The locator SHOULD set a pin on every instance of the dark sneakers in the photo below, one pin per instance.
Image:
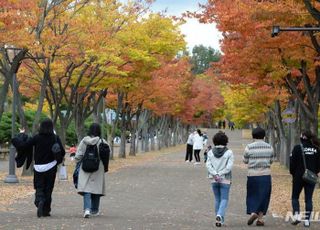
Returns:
(296, 222)
(260, 223)
(40, 209)
(252, 218)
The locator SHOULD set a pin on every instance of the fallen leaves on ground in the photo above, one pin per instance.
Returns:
(12, 192)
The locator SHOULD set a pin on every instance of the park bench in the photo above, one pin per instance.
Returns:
(4, 152)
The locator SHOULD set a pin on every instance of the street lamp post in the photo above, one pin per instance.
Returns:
(277, 29)
(11, 53)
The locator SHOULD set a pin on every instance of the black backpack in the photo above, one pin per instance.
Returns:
(90, 160)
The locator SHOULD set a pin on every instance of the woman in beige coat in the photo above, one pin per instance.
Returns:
(91, 185)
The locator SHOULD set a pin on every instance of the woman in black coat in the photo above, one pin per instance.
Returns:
(45, 163)
(309, 147)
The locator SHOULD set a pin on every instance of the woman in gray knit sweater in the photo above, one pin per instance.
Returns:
(258, 156)
(219, 165)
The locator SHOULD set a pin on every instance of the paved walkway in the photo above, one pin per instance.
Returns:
(164, 194)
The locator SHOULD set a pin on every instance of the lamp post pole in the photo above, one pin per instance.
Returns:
(277, 29)
(12, 53)
(12, 178)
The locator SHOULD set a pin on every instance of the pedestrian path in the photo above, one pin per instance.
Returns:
(166, 193)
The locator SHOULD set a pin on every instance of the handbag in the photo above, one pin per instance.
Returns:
(56, 150)
(63, 175)
(308, 176)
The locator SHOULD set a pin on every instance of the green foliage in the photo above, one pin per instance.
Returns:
(30, 114)
(202, 57)
(5, 128)
(71, 136)
(5, 124)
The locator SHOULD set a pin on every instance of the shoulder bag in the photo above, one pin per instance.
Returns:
(308, 176)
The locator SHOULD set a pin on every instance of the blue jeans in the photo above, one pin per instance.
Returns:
(91, 202)
(221, 195)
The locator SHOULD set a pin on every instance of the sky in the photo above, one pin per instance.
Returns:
(195, 32)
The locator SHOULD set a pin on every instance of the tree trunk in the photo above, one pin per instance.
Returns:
(284, 151)
(3, 96)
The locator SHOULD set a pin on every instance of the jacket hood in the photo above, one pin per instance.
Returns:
(91, 140)
(218, 151)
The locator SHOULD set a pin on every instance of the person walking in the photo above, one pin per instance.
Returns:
(197, 145)
(304, 156)
(189, 148)
(45, 163)
(91, 185)
(219, 165)
(259, 157)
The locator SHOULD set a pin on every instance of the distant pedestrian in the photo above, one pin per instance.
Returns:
(91, 185)
(205, 138)
(189, 148)
(309, 150)
(231, 125)
(206, 151)
(259, 157)
(72, 151)
(219, 164)
(45, 163)
(224, 124)
(197, 145)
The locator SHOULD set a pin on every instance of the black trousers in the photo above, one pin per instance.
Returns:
(297, 185)
(197, 154)
(189, 152)
(43, 183)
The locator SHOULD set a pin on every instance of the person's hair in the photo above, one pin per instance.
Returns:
(94, 130)
(46, 127)
(220, 138)
(258, 133)
(308, 135)
(199, 132)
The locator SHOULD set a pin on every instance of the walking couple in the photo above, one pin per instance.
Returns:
(258, 155)
(91, 185)
(195, 143)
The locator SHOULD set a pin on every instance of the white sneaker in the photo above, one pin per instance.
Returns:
(187, 161)
(306, 223)
(197, 163)
(86, 213)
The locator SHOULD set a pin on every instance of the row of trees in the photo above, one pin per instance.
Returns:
(263, 75)
(80, 56)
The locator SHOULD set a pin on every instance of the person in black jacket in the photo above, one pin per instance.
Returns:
(45, 163)
(310, 148)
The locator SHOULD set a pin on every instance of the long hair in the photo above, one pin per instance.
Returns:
(199, 132)
(309, 136)
(46, 127)
(94, 130)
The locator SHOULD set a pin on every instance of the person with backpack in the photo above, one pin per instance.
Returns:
(304, 156)
(93, 154)
(45, 162)
(219, 165)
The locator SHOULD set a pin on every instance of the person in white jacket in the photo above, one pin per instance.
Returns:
(219, 165)
(197, 145)
(189, 148)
